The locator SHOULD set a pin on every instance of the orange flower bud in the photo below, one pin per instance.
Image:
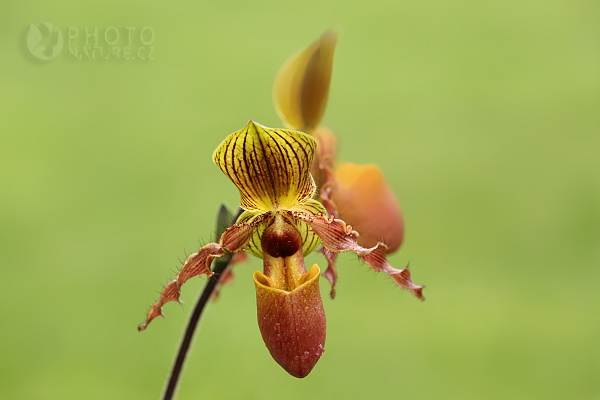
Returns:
(365, 200)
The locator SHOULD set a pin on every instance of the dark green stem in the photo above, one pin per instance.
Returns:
(219, 266)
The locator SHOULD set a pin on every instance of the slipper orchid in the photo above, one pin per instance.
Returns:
(357, 193)
(282, 222)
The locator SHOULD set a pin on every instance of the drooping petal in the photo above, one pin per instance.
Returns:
(365, 200)
(195, 265)
(292, 324)
(227, 275)
(377, 260)
(233, 239)
(301, 87)
(270, 167)
(331, 272)
(337, 237)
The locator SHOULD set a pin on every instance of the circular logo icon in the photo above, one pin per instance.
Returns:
(44, 41)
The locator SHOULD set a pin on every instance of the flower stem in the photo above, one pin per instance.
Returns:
(187, 337)
(224, 220)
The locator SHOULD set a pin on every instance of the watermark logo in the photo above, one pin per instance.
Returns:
(126, 43)
(44, 41)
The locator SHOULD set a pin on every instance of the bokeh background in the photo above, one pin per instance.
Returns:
(484, 116)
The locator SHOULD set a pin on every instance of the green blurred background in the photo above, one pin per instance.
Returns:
(484, 116)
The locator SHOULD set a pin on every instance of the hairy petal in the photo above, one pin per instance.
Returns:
(301, 87)
(195, 265)
(337, 236)
(233, 239)
(236, 237)
(270, 167)
(378, 261)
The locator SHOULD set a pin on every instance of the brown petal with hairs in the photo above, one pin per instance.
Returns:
(337, 237)
(233, 239)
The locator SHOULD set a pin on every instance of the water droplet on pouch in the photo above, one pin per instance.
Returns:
(305, 309)
(305, 355)
(320, 350)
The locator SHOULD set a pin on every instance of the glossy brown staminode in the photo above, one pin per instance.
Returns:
(282, 240)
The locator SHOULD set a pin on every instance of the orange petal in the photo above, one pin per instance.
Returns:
(301, 87)
(292, 324)
(365, 200)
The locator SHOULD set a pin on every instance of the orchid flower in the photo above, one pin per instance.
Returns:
(282, 222)
(357, 193)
